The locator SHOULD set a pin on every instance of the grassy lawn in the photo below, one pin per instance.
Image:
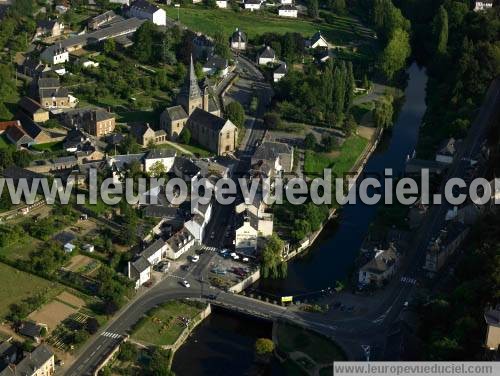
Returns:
(16, 286)
(339, 30)
(50, 146)
(361, 109)
(349, 152)
(162, 326)
(320, 349)
(21, 250)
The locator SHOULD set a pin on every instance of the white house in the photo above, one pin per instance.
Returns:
(239, 40)
(447, 151)
(252, 5)
(165, 157)
(287, 11)
(317, 41)
(221, 4)
(481, 5)
(144, 10)
(266, 56)
(380, 268)
(286, 2)
(280, 72)
(139, 271)
(90, 64)
(155, 252)
(246, 235)
(216, 65)
(55, 54)
(180, 243)
(197, 224)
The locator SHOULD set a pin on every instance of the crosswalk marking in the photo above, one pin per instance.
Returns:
(408, 280)
(111, 335)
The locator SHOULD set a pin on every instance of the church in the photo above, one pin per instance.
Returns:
(199, 112)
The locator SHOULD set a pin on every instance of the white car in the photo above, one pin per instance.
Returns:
(185, 284)
(236, 257)
(195, 258)
(244, 259)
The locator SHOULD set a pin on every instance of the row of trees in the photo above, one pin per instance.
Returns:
(321, 96)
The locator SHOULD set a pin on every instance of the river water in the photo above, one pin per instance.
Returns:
(223, 344)
(331, 257)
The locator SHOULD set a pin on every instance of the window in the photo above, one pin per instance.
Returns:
(228, 135)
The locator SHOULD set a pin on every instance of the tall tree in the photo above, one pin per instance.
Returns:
(349, 87)
(313, 8)
(440, 30)
(235, 112)
(339, 80)
(395, 54)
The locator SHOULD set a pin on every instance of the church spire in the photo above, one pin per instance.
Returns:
(194, 88)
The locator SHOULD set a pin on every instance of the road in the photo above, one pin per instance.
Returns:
(371, 329)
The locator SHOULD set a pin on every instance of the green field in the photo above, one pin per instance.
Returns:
(16, 286)
(207, 21)
(162, 325)
(320, 349)
(349, 152)
(20, 250)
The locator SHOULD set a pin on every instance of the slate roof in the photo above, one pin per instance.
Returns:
(46, 24)
(104, 17)
(267, 53)
(271, 150)
(30, 106)
(288, 7)
(16, 173)
(253, 2)
(114, 139)
(29, 126)
(207, 119)
(492, 316)
(17, 136)
(30, 329)
(48, 83)
(101, 115)
(216, 62)
(141, 264)
(176, 113)
(179, 239)
(186, 167)
(139, 129)
(153, 248)
(239, 36)
(160, 153)
(382, 262)
(59, 92)
(281, 69)
(33, 361)
(144, 6)
(160, 211)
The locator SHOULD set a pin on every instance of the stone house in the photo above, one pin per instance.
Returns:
(33, 109)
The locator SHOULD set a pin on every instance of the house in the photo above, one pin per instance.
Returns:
(267, 56)
(35, 131)
(55, 54)
(40, 362)
(17, 136)
(145, 135)
(164, 156)
(179, 243)
(33, 67)
(155, 252)
(286, 2)
(492, 318)
(203, 46)
(69, 248)
(280, 72)
(51, 94)
(95, 121)
(33, 109)
(278, 155)
(216, 65)
(5, 125)
(31, 330)
(246, 235)
(139, 271)
(88, 248)
(144, 10)
(9, 354)
(481, 5)
(446, 243)
(238, 40)
(95, 23)
(447, 151)
(199, 111)
(287, 11)
(256, 211)
(186, 169)
(317, 41)
(252, 5)
(379, 269)
(221, 4)
(51, 28)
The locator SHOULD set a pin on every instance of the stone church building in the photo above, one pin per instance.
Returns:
(198, 110)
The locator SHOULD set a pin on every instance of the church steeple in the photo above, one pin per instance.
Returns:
(190, 96)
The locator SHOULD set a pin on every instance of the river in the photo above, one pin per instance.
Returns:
(225, 341)
(331, 258)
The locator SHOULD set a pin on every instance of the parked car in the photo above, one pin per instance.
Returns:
(195, 258)
(185, 284)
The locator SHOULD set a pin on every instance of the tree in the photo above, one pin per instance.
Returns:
(159, 363)
(185, 136)
(128, 352)
(310, 141)
(264, 347)
(272, 120)
(312, 8)
(339, 89)
(383, 112)
(338, 6)
(329, 142)
(157, 169)
(350, 85)
(143, 42)
(109, 46)
(440, 30)
(221, 45)
(236, 113)
(272, 264)
(395, 54)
